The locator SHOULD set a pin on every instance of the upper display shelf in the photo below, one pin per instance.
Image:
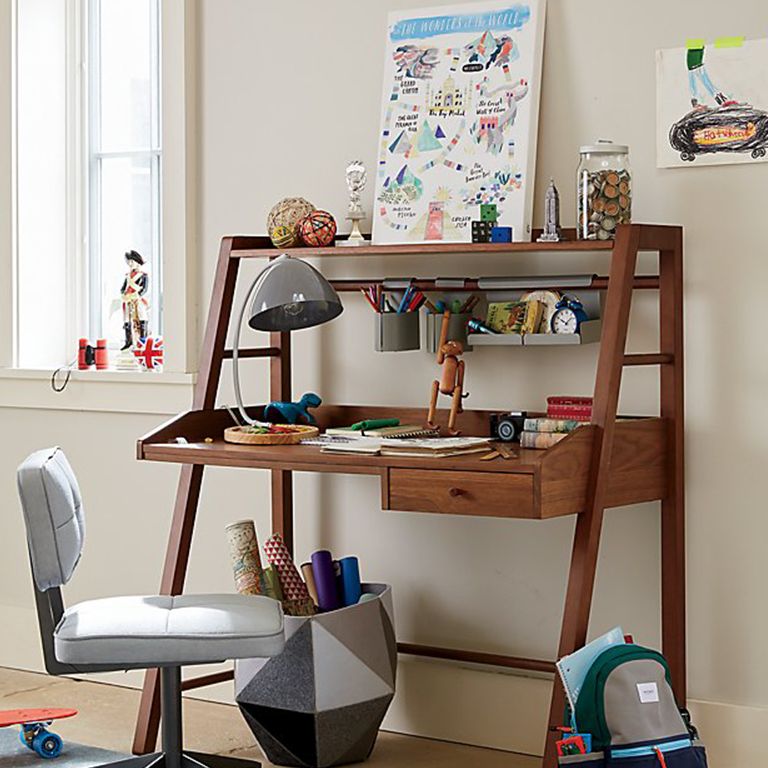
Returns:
(651, 237)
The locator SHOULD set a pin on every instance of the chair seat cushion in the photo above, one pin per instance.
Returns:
(187, 629)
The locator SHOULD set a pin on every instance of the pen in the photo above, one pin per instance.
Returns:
(469, 304)
(404, 301)
(369, 299)
(416, 301)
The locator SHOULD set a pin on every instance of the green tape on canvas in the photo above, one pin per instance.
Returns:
(729, 42)
(694, 43)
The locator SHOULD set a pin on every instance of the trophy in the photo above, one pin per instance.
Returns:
(356, 179)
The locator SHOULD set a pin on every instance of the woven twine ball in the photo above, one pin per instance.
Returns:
(288, 213)
(284, 237)
(317, 229)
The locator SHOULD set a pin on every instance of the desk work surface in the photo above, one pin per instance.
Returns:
(532, 484)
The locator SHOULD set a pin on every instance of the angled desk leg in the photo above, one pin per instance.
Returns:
(190, 481)
(174, 572)
(586, 542)
(673, 507)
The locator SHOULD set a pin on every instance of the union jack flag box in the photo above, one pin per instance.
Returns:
(149, 353)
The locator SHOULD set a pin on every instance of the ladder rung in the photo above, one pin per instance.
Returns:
(649, 359)
(257, 352)
(200, 682)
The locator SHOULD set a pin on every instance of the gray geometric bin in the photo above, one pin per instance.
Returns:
(321, 701)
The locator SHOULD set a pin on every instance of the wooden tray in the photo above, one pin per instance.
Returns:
(297, 434)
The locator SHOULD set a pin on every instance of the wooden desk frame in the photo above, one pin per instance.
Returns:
(601, 439)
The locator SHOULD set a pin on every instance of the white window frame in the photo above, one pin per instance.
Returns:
(154, 155)
(178, 206)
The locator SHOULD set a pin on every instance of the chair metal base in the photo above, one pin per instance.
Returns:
(184, 760)
(173, 756)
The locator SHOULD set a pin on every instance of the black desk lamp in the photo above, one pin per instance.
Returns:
(288, 295)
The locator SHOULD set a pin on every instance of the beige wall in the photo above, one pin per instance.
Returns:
(288, 93)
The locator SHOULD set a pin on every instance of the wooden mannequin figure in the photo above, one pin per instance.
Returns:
(451, 379)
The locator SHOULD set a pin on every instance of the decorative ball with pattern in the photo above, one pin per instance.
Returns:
(317, 229)
(288, 213)
(284, 237)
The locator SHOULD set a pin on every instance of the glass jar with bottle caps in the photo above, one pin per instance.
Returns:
(604, 191)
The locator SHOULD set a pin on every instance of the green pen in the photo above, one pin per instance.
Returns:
(375, 424)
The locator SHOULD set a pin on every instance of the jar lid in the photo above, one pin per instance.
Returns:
(605, 147)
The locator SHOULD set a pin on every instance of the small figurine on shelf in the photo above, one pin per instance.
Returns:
(293, 413)
(452, 377)
(551, 233)
(356, 180)
(135, 303)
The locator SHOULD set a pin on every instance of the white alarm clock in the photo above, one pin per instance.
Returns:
(568, 316)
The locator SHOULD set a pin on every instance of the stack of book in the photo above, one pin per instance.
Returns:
(564, 414)
(569, 407)
(546, 432)
(428, 447)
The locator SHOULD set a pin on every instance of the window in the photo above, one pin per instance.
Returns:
(88, 170)
(124, 154)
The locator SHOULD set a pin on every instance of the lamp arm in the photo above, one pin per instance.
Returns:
(236, 359)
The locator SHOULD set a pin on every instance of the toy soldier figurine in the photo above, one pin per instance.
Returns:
(135, 304)
(551, 233)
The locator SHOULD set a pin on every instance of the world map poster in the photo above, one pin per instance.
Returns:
(459, 121)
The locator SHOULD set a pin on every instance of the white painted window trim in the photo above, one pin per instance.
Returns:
(179, 200)
(7, 151)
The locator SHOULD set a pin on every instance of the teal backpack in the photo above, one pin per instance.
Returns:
(627, 704)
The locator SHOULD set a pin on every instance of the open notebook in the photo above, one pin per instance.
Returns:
(437, 447)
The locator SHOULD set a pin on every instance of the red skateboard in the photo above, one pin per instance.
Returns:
(34, 728)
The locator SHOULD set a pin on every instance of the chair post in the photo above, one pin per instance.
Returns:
(50, 609)
(170, 697)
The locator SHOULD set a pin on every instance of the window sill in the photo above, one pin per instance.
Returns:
(110, 391)
(110, 376)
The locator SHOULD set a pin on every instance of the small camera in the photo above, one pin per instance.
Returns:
(508, 426)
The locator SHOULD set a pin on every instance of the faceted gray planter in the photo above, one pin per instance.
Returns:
(321, 701)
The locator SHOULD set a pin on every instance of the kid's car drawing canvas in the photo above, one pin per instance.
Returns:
(712, 102)
(459, 120)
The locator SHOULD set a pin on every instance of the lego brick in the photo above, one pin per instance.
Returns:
(488, 212)
(481, 231)
(501, 235)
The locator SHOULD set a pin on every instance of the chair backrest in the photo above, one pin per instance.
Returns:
(53, 514)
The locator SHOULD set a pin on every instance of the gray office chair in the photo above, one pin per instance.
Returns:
(122, 633)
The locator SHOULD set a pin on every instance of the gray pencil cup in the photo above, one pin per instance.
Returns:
(397, 332)
(457, 330)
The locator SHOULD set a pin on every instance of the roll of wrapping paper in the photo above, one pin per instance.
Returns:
(296, 599)
(349, 578)
(244, 556)
(325, 581)
(309, 578)
(270, 584)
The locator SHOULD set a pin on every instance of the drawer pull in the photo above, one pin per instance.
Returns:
(456, 492)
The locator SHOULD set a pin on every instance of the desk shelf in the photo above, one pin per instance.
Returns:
(536, 484)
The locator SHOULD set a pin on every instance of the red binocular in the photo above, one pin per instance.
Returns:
(88, 355)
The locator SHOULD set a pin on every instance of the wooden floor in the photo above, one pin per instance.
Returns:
(107, 715)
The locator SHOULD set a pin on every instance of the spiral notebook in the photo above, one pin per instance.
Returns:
(573, 668)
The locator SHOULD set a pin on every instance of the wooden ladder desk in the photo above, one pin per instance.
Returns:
(607, 464)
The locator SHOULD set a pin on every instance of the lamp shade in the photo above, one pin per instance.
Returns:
(291, 294)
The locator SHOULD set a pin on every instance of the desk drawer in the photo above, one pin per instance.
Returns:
(494, 494)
